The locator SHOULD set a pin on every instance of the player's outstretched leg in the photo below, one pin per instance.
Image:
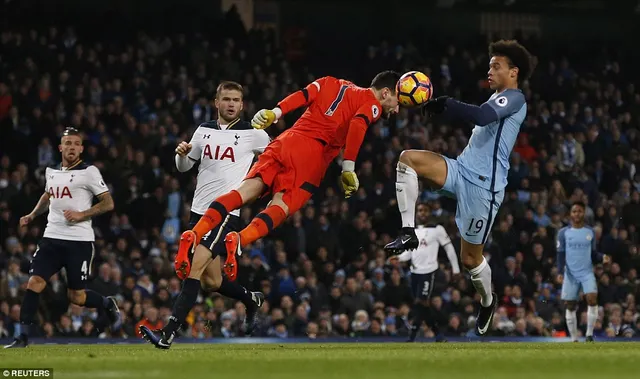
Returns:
(260, 226)
(248, 191)
(414, 164)
(407, 191)
(213, 281)
(28, 311)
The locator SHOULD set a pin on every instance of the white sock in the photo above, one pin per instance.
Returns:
(407, 193)
(481, 279)
(592, 316)
(572, 324)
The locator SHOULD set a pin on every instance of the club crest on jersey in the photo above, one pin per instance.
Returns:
(219, 155)
(237, 138)
(72, 176)
(589, 237)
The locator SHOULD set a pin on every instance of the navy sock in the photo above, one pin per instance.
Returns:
(183, 304)
(28, 311)
(95, 300)
(235, 291)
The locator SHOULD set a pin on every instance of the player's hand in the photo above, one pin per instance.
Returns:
(25, 220)
(435, 106)
(73, 216)
(606, 259)
(263, 119)
(392, 260)
(183, 149)
(349, 183)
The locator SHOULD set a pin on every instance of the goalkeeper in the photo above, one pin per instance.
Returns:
(293, 165)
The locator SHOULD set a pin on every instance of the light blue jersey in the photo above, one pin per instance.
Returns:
(485, 160)
(576, 249)
(477, 178)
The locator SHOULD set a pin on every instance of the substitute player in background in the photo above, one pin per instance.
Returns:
(225, 149)
(576, 247)
(293, 165)
(68, 237)
(477, 178)
(424, 264)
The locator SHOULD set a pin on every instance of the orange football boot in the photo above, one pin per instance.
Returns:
(182, 265)
(232, 243)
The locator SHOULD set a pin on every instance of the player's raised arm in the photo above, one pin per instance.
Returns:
(187, 154)
(304, 97)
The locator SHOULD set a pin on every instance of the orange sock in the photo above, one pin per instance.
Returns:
(262, 224)
(217, 211)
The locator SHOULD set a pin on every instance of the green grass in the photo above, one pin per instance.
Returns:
(304, 361)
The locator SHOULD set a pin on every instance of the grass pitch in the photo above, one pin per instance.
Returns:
(324, 361)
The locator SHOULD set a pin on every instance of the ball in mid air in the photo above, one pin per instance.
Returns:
(414, 88)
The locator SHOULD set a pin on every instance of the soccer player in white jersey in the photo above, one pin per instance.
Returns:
(424, 265)
(68, 237)
(225, 149)
(478, 176)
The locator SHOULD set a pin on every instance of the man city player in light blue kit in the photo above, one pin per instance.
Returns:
(576, 247)
(477, 178)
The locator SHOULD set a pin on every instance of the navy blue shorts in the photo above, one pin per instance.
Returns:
(422, 285)
(76, 257)
(214, 240)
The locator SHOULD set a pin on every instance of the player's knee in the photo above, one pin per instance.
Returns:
(279, 201)
(571, 305)
(592, 299)
(210, 284)
(76, 296)
(470, 261)
(406, 157)
(36, 284)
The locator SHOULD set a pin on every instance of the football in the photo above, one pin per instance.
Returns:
(414, 88)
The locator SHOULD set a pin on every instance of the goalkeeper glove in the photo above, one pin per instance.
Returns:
(349, 180)
(435, 106)
(265, 117)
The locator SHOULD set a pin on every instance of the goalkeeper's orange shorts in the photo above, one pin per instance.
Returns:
(294, 164)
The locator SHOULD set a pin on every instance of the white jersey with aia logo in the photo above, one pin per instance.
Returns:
(225, 159)
(424, 259)
(71, 189)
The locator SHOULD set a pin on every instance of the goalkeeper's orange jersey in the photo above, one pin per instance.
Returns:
(338, 113)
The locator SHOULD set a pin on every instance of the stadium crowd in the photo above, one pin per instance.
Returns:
(324, 272)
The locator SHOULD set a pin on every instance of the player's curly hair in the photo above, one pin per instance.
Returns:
(517, 54)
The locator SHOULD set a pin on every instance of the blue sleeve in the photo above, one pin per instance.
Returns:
(595, 256)
(479, 115)
(560, 248)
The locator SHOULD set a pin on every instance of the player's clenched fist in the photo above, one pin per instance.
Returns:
(25, 220)
(183, 149)
(265, 117)
(349, 180)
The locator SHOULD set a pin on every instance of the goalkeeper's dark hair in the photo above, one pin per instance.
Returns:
(386, 79)
(517, 55)
(229, 85)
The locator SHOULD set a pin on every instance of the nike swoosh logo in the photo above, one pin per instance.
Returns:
(162, 344)
(486, 327)
(405, 241)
